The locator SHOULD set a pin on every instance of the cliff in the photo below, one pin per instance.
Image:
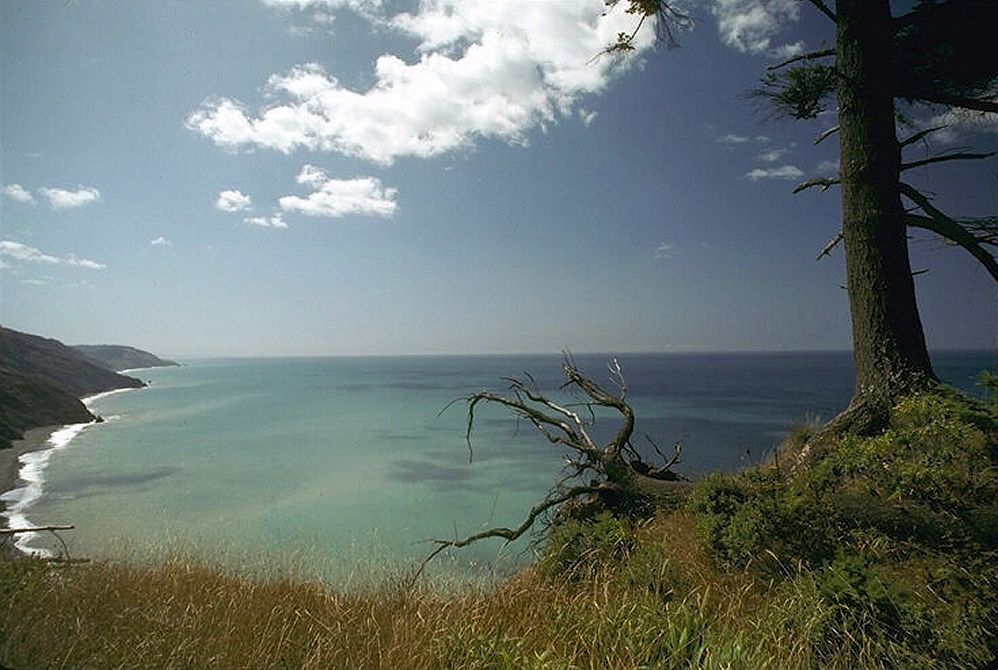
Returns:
(41, 381)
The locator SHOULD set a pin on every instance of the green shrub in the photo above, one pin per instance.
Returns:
(755, 517)
(580, 548)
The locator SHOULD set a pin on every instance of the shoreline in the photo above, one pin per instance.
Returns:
(35, 439)
(38, 439)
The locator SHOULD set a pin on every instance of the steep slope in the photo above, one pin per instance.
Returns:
(119, 357)
(50, 360)
(29, 403)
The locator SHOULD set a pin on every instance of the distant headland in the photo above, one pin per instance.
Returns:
(43, 380)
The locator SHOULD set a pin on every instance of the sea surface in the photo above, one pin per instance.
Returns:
(339, 466)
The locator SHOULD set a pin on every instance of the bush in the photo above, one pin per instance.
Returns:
(580, 548)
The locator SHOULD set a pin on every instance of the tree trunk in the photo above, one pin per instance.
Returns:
(888, 343)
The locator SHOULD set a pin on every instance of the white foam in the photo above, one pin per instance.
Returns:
(33, 463)
(31, 474)
(97, 396)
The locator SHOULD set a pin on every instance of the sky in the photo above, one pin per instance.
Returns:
(312, 177)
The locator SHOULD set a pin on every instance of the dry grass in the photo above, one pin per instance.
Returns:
(184, 615)
(667, 604)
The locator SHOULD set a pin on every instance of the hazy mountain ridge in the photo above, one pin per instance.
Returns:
(42, 381)
(119, 357)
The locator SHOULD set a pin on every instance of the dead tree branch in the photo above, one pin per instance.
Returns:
(616, 469)
(824, 183)
(825, 53)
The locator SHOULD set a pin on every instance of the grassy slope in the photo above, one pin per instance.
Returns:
(880, 554)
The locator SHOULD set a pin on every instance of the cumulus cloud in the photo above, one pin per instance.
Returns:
(22, 252)
(60, 198)
(751, 25)
(17, 193)
(335, 198)
(160, 242)
(783, 172)
(233, 201)
(733, 139)
(275, 221)
(483, 70)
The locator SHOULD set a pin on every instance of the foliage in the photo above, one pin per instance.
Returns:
(798, 92)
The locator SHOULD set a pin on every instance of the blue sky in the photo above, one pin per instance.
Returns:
(301, 177)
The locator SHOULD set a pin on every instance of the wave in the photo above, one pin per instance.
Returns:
(32, 474)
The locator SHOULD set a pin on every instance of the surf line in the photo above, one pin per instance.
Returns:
(31, 478)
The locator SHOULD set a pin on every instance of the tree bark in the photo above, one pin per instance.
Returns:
(888, 343)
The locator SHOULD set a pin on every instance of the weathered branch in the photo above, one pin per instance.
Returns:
(7, 533)
(827, 249)
(825, 134)
(813, 55)
(823, 8)
(823, 182)
(615, 466)
(508, 534)
(919, 135)
(959, 156)
(947, 228)
(38, 529)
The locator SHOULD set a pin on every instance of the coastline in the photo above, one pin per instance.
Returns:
(34, 439)
(38, 439)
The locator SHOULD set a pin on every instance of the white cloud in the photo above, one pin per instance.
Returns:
(22, 252)
(788, 50)
(826, 168)
(783, 172)
(311, 175)
(960, 123)
(355, 5)
(275, 221)
(233, 201)
(772, 155)
(665, 250)
(751, 25)
(18, 193)
(484, 70)
(733, 139)
(334, 198)
(42, 281)
(160, 242)
(60, 198)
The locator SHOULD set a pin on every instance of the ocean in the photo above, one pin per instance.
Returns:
(340, 466)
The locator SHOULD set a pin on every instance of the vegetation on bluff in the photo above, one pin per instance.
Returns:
(877, 553)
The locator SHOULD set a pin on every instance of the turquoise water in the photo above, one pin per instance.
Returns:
(336, 463)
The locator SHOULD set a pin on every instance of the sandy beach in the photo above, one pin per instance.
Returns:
(33, 440)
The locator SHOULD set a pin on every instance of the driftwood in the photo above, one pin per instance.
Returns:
(613, 475)
(7, 533)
